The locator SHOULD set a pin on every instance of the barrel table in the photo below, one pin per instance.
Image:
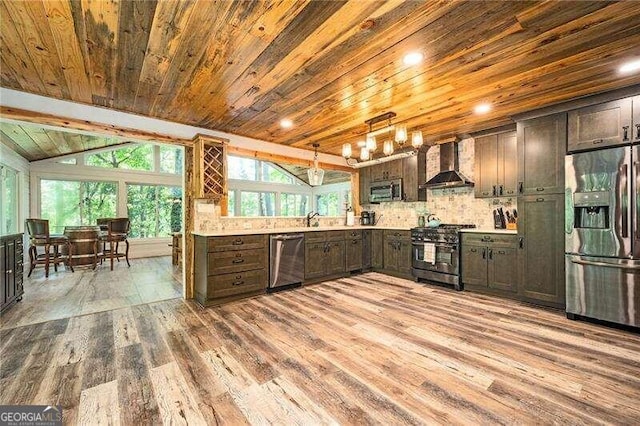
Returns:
(85, 245)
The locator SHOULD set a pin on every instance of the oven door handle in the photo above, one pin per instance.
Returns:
(452, 247)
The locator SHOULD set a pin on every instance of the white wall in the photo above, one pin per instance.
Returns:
(19, 163)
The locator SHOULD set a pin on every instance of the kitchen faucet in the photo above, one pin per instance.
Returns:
(310, 216)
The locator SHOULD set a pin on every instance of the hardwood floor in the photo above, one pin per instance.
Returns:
(363, 350)
(65, 294)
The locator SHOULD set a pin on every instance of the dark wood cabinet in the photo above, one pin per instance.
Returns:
(230, 267)
(490, 262)
(366, 249)
(11, 270)
(496, 160)
(354, 252)
(324, 254)
(601, 125)
(541, 249)
(412, 170)
(397, 252)
(364, 176)
(377, 249)
(541, 150)
(414, 174)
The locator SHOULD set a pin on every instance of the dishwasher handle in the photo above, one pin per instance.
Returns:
(287, 237)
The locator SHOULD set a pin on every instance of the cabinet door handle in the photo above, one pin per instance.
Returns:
(500, 190)
(521, 187)
(540, 189)
(238, 242)
(597, 141)
(354, 242)
(237, 261)
(539, 200)
(625, 133)
(473, 250)
(490, 254)
(9, 271)
(637, 131)
(521, 242)
(493, 191)
(501, 252)
(237, 283)
(484, 253)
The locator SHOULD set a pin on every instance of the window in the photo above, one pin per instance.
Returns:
(273, 174)
(70, 160)
(294, 204)
(231, 203)
(154, 210)
(333, 203)
(9, 197)
(171, 159)
(71, 203)
(242, 168)
(135, 157)
(257, 203)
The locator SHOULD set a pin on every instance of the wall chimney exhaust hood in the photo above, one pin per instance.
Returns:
(449, 175)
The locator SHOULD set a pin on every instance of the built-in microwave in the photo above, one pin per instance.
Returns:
(389, 190)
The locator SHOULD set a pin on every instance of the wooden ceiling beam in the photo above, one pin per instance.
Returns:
(89, 126)
(283, 159)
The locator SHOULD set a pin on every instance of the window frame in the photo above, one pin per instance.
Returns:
(17, 202)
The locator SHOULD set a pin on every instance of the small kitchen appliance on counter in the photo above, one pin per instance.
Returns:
(368, 218)
(435, 253)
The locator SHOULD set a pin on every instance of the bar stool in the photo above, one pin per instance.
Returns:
(39, 237)
(117, 232)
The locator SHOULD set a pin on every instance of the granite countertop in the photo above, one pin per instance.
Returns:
(490, 231)
(291, 230)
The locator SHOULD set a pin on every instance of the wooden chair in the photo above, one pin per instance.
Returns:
(39, 236)
(117, 232)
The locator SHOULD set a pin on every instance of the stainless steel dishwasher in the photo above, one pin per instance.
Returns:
(286, 254)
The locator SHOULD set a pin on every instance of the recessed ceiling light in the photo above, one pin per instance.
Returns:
(482, 108)
(412, 58)
(630, 67)
(285, 123)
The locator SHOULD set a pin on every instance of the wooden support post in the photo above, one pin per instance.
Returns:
(189, 222)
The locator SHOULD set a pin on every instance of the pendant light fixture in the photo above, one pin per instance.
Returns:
(370, 145)
(316, 174)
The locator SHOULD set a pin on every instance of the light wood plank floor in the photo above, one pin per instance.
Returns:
(363, 350)
(65, 294)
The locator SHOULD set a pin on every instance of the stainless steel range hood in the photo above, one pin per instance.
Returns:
(449, 175)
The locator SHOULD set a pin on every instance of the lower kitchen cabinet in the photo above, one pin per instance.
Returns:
(377, 249)
(489, 262)
(397, 252)
(11, 270)
(541, 249)
(324, 254)
(230, 267)
(354, 253)
(366, 249)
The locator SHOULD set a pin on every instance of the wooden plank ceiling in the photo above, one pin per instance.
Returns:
(241, 66)
(37, 143)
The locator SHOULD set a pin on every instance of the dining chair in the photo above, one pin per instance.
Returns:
(117, 232)
(39, 236)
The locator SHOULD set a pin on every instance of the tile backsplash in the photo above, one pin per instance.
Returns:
(457, 205)
(208, 219)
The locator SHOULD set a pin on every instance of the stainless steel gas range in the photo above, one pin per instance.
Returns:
(436, 254)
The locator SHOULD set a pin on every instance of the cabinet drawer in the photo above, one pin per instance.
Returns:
(353, 235)
(236, 261)
(237, 283)
(335, 235)
(315, 236)
(397, 234)
(237, 242)
(490, 239)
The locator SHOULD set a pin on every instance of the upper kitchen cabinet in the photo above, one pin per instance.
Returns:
(541, 149)
(601, 125)
(414, 173)
(209, 168)
(495, 165)
(412, 170)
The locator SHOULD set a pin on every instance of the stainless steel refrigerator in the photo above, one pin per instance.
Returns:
(602, 230)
